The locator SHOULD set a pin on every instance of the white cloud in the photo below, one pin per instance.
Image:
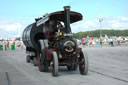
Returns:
(83, 26)
(90, 23)
(118, 23)
(123, 18)
(10, 27)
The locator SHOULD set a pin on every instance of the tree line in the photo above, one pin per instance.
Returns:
(96, 33)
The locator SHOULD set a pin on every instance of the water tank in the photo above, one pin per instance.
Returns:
(31, 35)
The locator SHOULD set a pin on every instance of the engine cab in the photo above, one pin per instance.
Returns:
(56, 28)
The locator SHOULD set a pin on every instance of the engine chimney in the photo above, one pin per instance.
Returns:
(67, 19)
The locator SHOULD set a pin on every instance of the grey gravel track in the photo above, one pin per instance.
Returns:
(107, 66)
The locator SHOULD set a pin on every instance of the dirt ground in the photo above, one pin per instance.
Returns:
(107, 66)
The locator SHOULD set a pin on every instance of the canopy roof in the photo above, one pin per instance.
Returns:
(59, 15)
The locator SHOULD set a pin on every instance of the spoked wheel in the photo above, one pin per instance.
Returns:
(73, 67)
(40, 63)
(35, 61)
(28, 59)
(83, 66)
(54, 64)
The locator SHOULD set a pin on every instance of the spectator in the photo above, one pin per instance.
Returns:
(118, 42)
(111, 43)
(83, 42)
(8, 44)
(86, 42)
(101, 42)
(93, 43)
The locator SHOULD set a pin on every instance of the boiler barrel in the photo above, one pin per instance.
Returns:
(31, 35)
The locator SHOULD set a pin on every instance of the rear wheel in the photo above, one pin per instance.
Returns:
(54, 64)
(28, 59)
(42, 62)
(83, 66)
(35, 61)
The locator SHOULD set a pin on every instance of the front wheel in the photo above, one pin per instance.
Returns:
(54, 64)
(83, 66)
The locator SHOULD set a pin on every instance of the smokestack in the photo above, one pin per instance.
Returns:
(67, 18)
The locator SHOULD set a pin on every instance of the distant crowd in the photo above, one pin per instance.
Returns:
(92, 42)
(10, 44)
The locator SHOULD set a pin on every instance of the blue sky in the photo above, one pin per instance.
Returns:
(15, 15)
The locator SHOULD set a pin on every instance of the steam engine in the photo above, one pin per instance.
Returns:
(49, 42)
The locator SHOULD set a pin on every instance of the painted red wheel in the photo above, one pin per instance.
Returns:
(40, 63)
(43, 64)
